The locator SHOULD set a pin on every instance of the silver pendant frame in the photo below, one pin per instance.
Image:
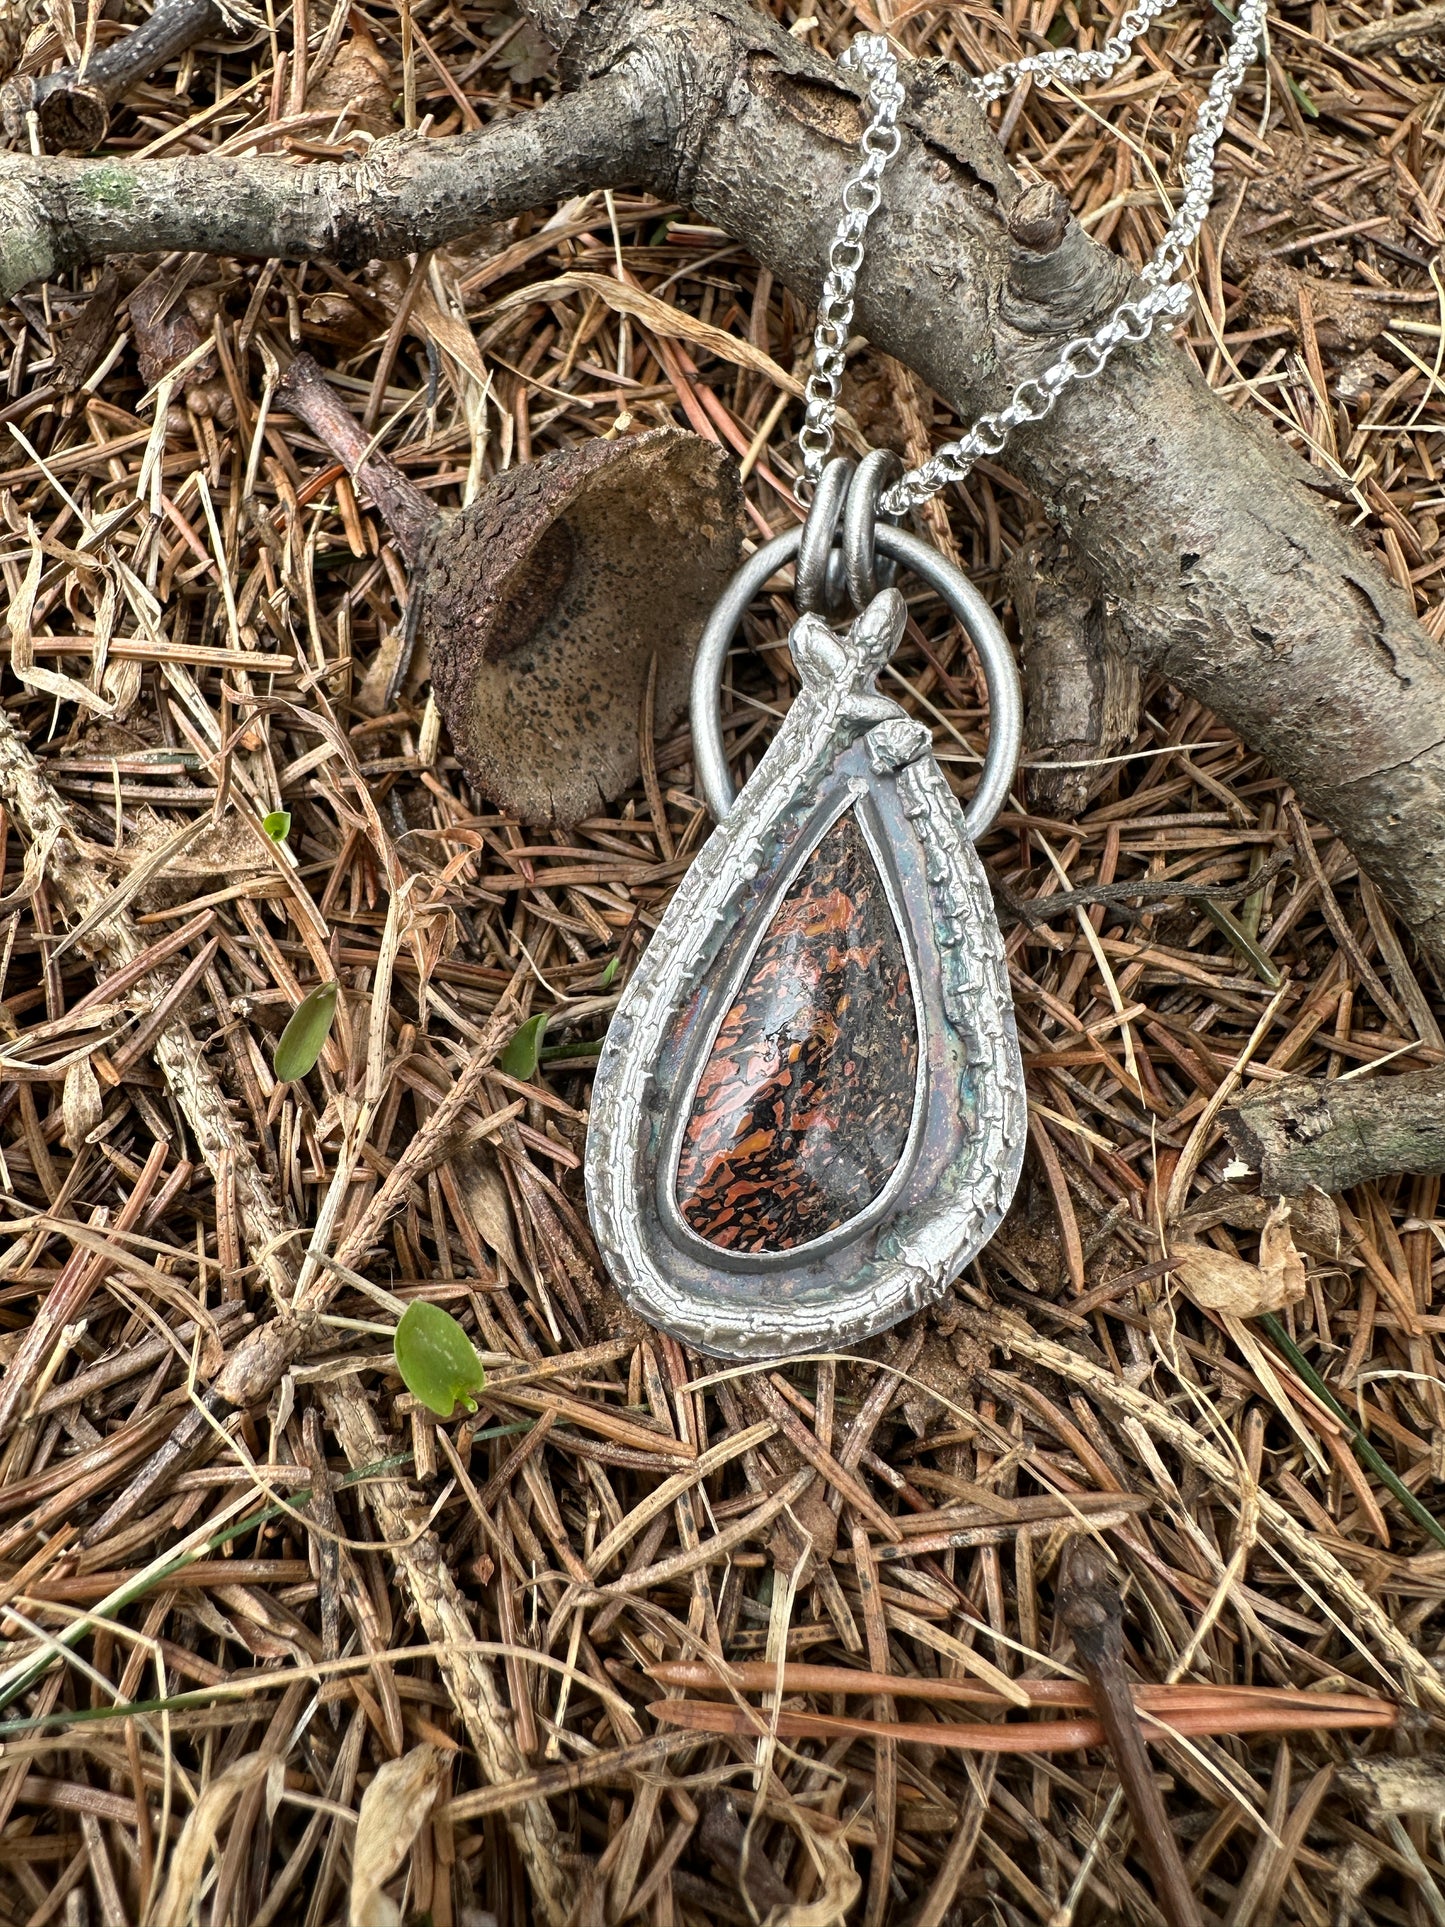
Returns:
(841, 746)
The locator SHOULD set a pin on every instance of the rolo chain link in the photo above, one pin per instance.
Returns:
(1081, 359)
(861, 195)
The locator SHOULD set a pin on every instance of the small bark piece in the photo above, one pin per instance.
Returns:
(543, 604)
(1081, 691)
(1304, 1134)
(81, 349)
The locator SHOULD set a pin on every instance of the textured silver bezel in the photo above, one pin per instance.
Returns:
(840, 744)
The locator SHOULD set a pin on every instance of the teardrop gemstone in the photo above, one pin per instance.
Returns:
(803, 1108)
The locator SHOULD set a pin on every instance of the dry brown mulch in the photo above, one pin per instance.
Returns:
(210, 1656)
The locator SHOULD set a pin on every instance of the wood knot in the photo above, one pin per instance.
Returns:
(1038, 218)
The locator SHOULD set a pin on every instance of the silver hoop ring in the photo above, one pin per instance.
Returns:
(1005, 698)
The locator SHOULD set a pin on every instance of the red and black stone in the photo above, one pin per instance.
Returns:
(803, 1109)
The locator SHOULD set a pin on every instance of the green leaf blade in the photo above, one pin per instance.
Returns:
(523, 1053)
(437, 1361)
(277, 825)
(305, 1035)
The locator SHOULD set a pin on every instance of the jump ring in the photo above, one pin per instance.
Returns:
(816, 537)
(714, 779)
(860, 526)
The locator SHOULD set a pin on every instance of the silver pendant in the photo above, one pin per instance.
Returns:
(809, 1108)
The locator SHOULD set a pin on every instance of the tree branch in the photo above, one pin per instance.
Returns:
(73, 107)
(406, 194)
(1307, 1134)
(1223, 569)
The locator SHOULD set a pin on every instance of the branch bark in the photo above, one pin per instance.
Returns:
(407, 193)
(1223, 569)
(1304, 1135)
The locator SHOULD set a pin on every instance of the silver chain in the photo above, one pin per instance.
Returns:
(1086, 356)
(861, 194)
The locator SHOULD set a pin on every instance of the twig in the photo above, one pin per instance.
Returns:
(1420, 23)
(1093, 1612)
(1144, 891)
(409, 515)
(73, 103)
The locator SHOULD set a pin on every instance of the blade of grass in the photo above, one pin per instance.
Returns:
(1364, 1450)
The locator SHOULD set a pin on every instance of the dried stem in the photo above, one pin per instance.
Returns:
(408, 514)
(1092, 1611)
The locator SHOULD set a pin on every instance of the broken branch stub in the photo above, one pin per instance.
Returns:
(544, 602)
(72, 106)
(1309, 1134)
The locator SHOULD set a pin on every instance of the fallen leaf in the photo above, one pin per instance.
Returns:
(358, 84)
(165, 332)
(198, 1837)
(394, 1809)
(519, 1058)
(1314, 1222)
(484, 1192)
(1224, 1282)
(305, 1035)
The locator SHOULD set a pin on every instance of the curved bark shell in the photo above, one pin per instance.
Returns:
(545, 601)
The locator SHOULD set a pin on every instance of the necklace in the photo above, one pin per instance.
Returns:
(809, 1110)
